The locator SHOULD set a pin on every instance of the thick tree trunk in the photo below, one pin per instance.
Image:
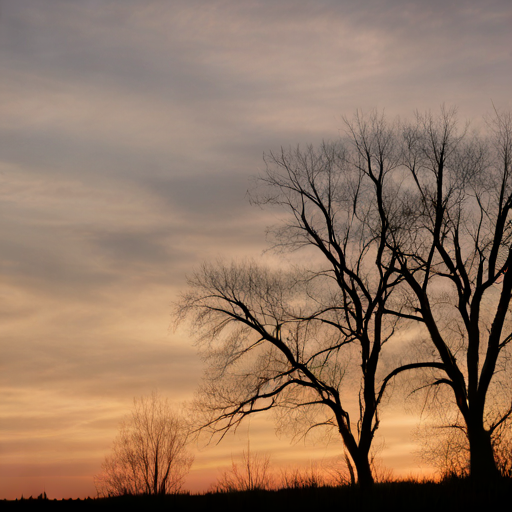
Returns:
(359, 456)
(364, 472)
(482, 464)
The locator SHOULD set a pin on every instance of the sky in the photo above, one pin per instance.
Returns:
(129, 133)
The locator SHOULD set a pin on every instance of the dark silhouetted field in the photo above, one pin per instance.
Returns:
(405, 495)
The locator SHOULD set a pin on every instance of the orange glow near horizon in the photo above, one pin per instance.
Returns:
(71, 478)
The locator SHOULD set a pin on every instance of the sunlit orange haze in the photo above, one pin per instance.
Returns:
(129, 132)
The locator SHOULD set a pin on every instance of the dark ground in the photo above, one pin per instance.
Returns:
(450, 495)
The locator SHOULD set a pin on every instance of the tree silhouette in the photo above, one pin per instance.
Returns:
(407, 227)
(149, 455)
(453, 250)
(302, 327)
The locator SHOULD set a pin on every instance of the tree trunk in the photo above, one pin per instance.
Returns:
(359, 456)
(364, 472)
(482, 464)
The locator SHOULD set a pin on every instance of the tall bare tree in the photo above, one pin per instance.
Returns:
(304, 345)
(410, 225)
(455, 240)
(149, 455)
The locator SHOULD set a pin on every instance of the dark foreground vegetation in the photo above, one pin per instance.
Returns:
(450, 494)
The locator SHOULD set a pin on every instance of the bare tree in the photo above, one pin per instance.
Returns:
(411, 228)
(252, 474)
(303, 327)
(149, 455)
(453, 249)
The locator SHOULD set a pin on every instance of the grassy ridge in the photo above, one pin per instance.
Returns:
(406, 495)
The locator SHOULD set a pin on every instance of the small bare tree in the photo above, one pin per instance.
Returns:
(252, 474)
(149, 455)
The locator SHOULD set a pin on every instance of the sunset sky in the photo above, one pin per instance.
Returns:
(129, 131)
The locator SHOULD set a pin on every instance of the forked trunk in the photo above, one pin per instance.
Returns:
(360, 459)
